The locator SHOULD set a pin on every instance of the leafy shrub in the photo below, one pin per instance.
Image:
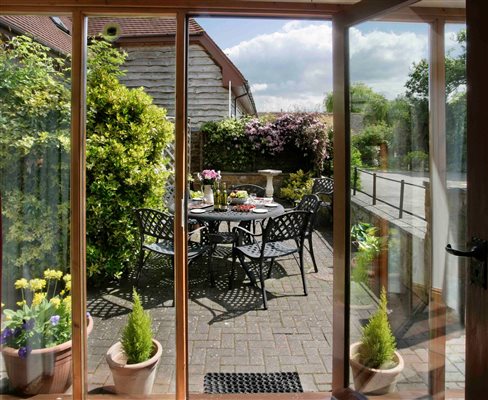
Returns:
(297, 185)
(126, 135)
(368, 141)
(416, 161)
(137, 335)
(363, 236)
(378, 344)
(34, 158)
(244, 144)
(227, 146)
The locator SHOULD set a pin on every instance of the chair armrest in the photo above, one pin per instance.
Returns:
(202, 230)
(244, 236)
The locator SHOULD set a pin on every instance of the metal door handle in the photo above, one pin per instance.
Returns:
(476, 251)
(478, 268)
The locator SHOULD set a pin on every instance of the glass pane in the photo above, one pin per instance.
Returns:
(255, 103)
(35, 185)
(455, 286)
(130, 200)
(390, 206)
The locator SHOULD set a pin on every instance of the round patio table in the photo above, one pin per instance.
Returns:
(214, 218)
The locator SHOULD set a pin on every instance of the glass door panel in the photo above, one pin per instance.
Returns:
(35, 118)
(130, 202)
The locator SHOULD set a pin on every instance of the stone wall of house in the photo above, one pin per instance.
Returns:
(153, 67)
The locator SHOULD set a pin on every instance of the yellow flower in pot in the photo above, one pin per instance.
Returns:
(134, 360)
(36, 336)
(374, 360)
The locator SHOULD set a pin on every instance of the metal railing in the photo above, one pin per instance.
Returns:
(375, 197)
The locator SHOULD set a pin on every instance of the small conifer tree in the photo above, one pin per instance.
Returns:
(137, 335)
(378, 344)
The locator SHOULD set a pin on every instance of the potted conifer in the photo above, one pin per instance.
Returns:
(374, 360)
(133, 360)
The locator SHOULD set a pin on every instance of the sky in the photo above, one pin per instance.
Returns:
(289, 63)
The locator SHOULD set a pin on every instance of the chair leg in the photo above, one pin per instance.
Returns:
(140, 265)
(270, 268)
(210, 266)
(232, 271)
(263, 288)
(302, 270)
(310, 247)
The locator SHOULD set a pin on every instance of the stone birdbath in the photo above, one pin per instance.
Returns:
(269, 174)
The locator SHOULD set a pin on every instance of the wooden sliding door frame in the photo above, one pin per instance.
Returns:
(342, 17)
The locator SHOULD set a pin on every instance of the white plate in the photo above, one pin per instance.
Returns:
(197, 199)
(271, 205)
(259, 210)
(198, 211)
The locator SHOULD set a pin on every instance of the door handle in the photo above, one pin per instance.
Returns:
(478, 251)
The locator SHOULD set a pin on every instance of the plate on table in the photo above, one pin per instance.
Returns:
(197, 199)
(271, 205)
(259, 210)
(198, 211)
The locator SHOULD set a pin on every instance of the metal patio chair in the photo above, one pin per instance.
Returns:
(324, 187)
(282, 235)
(156, 236)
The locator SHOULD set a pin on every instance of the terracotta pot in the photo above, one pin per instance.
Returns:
(43, 370)
(370, 380)
(133, 378)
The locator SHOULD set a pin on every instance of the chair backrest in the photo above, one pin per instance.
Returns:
(310, 202)
(260, 191)
(290, 225)
(323, 186)
(154, 223)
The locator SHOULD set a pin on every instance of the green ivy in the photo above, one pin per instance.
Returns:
(227, 146)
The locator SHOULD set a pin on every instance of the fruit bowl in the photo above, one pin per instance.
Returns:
(237, 200)
(238, 197)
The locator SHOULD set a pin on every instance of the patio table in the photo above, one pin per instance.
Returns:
(214, 218)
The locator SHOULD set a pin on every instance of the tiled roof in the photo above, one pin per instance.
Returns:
(42, 28)
(143, 26)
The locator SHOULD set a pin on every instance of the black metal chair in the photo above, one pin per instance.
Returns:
(156, 236)
(324, 186)
(258, 190)
(290, 226)
(312, 203)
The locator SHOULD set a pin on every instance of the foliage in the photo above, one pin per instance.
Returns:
(126, 135)
(236, 145)
(43, 318)
(137, 335)
(297, 185)
(227, 146)
(363, 236)
(378, 344)
(363, 100)
(369, 140)
(416, 161)
(34, 156)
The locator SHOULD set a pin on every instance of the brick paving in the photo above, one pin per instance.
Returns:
(229, 331)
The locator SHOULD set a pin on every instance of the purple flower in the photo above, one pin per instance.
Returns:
(29, 324)
(54, 320)
(24, 351)
(6, 333)
(17, 332)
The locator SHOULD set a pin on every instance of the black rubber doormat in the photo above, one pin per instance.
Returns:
(259, 382)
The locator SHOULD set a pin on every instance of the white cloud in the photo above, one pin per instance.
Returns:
(257, 87)
(292, 68)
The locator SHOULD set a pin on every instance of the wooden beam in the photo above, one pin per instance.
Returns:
(439, 211)
(367, 10)
(78, 198)
(180, 216)
(191, 7)
(425, 14)
(342, 220)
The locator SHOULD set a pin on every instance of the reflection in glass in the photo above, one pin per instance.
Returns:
(34, 187)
